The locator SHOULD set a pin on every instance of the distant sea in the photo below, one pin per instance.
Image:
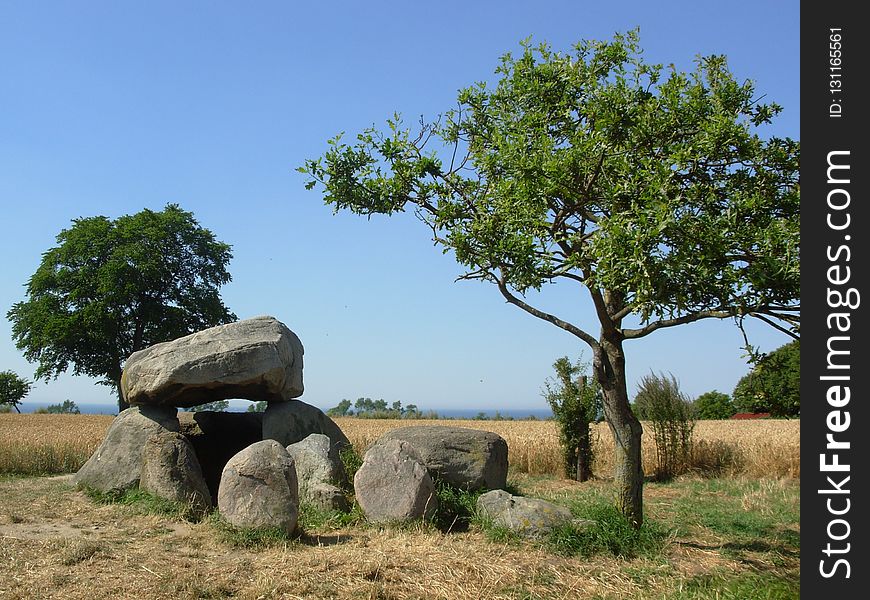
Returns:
(453, 413)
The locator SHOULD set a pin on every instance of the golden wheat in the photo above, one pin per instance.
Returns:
(42, 444)
(761, 448)
(33, 444)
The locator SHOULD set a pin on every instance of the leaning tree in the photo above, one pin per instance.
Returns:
(112, 287)
(647, 187)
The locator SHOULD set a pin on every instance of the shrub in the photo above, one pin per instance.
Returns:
(714, 405)
(67, 407)
(574, 400)
(660, 401)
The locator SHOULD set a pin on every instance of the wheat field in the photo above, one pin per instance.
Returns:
(48, 444)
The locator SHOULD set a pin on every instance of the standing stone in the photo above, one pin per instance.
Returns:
(256, 359)
(526, 516)
(293, 421)
(117, 464)
(466, 458)
(170, 470)
(393, 485)
(259, 489)
(320, 472)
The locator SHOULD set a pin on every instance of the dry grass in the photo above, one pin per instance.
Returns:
(45, 444)
(56, 543)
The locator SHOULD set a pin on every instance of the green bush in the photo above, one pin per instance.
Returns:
(575, 403)
(714, 405)
(67, 407)
(660, 401)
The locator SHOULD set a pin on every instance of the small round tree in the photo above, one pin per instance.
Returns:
(774, 384)
(13, 389)
(714, 405)
(112, 287)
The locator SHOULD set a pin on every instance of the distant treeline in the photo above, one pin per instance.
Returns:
(366, 408)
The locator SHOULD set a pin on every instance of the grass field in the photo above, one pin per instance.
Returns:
(728, 539)
(54, 444)
(731, 537)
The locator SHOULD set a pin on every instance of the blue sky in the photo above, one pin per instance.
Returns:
(107, 108)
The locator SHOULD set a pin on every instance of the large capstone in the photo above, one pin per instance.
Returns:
(117, 464)
(293, 421)
(171, 470)
(465, 458)
(393, 485)
(255, 359)
(259, 488)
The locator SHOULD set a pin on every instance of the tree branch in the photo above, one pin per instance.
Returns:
(570, 328)
(777, 326)
(630, 334)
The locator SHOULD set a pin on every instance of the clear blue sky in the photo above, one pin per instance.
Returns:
(107, 108)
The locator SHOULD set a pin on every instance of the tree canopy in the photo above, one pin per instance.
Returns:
(714, 405)
(13, 389)
(647, 187)
(774, 384)
(112, 287)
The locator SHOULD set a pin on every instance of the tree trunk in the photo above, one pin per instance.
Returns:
(115, 376)
(609, 365)
(122, 404)
(583, 470)
(584, 466)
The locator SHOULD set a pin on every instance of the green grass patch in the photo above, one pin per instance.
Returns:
(457, 508)
(611, 534)
(253, 538)
(741, 586)
(352, 461)
(751, 516)
(146, 503)
(312, 518)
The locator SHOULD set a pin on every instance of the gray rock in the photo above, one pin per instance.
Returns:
(466, 458)
(317, 460)
(326, 496)
(259, 488)
(293, 421)
(393, 485)
(526, 516)
(320, 472)
(117, 464)
(218, 436)
(257, 359)
(170, 470)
